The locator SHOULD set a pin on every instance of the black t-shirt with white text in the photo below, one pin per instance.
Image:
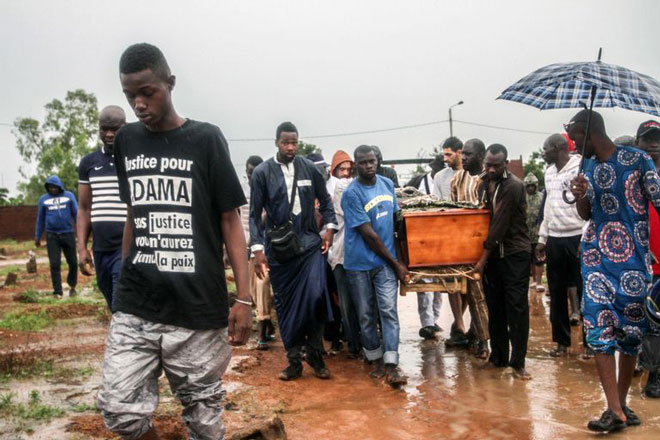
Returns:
(178, 183)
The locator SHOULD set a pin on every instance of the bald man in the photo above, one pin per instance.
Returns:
(100, 210)
(559, 241)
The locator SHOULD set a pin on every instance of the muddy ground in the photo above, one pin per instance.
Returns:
(49, 379)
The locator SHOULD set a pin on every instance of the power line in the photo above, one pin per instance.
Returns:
(501, 128)
(352, 133)
(382, 130)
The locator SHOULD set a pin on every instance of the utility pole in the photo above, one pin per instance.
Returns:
(451, 125)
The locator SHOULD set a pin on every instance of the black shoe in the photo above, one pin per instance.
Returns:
(458, 340)
(574, 320)
(453, 330)
(315, 360)
(471, 336)
(270, 329)
(437, 328)
(560, 351)
(322, 373)
(427, 333)
(652, 387)
(293, 371)
(393, 376)
(608, 422)
(631, 417)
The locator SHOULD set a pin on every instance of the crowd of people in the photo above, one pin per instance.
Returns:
(314, 251)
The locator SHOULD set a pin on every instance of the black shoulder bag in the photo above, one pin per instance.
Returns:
(284, 241)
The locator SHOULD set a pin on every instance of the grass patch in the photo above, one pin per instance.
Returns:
(12, 246)
(31, 296)
(27, 322)
(34, 410)
(84, 407)
(16, 365)
(18, 268)
(70, 373)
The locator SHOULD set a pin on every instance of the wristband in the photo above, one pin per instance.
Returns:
(247, 303)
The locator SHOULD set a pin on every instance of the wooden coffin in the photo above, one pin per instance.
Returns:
(444, 238)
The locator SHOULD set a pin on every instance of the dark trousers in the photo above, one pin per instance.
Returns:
(332, 330)
(563, 269)
(312, 340)
(56, 244)
(348, 305)
(107, 266)
(506, 285)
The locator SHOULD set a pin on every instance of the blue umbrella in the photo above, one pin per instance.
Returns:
(574, 85)
(586, 85)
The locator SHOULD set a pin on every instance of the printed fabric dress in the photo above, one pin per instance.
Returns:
(616, 262)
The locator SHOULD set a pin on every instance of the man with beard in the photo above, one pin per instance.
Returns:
(290, 247)
(465, 188)
(506, 261)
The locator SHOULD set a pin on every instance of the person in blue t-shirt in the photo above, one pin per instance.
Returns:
(56, 215)
(372, 268)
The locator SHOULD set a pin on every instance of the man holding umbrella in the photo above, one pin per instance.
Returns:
(614, 193)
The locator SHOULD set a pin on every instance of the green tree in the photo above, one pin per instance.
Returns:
(68, 132)
(305, 149)
(536, 165)
(4, 196)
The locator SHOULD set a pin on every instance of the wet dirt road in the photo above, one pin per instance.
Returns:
(448, 396)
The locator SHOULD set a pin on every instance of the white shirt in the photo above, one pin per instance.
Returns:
(336, 252)
(287, 171)
(427, 181)
(559, 218)
(442, 183)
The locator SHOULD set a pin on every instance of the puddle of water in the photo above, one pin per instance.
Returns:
(448, 396)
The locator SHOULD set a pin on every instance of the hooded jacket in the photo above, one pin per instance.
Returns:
(56, 213)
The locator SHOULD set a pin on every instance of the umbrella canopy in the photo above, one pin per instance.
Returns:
(569, 85)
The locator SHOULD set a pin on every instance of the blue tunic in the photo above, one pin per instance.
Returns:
(616, 262)
(301, 298)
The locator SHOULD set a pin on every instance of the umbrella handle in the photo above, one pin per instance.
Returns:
(564, 195)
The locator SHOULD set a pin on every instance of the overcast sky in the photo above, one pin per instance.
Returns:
(329, 66)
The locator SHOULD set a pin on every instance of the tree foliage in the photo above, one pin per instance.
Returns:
(5, 200)
(306, 149)
(68, 132)
(535, 164)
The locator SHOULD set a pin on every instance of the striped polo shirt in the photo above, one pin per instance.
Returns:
(97, 169)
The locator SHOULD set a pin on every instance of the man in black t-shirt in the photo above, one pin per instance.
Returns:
(170, 308)
(99, 208)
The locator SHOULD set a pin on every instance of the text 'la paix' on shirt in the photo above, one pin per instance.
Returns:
(178, 184)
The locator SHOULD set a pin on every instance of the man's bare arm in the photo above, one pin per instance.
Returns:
(240, 323)
(376, 244)
(84, 227)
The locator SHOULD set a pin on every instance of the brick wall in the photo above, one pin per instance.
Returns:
(17, 222)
